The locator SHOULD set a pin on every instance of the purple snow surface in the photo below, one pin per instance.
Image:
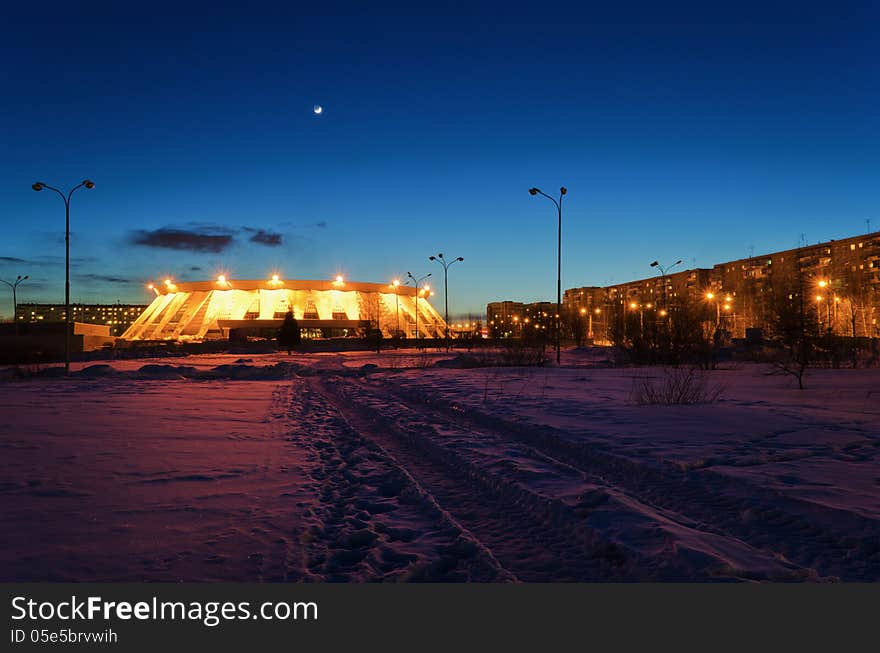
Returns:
(362, 467)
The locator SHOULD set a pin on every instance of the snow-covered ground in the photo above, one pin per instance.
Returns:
(360, 466)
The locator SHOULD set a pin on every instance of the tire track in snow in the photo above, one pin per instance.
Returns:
(535, 537)
(831, 542)
(370, 520)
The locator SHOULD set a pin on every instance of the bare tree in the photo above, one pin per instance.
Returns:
(793, 329)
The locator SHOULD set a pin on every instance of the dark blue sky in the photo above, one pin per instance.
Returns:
(688, 131)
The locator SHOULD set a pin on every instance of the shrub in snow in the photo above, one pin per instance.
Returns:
(677, 386)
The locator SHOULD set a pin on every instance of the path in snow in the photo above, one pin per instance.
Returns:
(398, 471)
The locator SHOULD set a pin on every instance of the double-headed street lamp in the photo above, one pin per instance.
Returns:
(446, 264)
(558, 203)
(416, 282)
(40, 186)
(663, 271)
(14, 286)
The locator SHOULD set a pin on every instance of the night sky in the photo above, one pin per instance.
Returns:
(681, 131)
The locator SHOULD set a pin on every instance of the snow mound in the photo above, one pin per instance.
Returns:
(251, 372)
(155, 371)
(460, 362)
(101, 369)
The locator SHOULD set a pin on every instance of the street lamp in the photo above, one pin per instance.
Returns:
(395, 284)
(446, 265)
(562, 192)
(656, 264)
(14, 286)
(711, 297)
(416, 282)
(38, 186)
(634, 306)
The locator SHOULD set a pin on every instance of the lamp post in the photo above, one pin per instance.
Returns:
(596, 311)
(634, 306)
(66, 198)
(711, 297)
(663, 271)
(14, 286)
(825, 287)
(446, 264)
(416, 282)
(562, 191)
(395, 284)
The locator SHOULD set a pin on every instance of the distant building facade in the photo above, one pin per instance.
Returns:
(118, 317)
(509, 319)
(839, 280)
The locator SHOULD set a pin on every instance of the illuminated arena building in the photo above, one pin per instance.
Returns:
(206, 310)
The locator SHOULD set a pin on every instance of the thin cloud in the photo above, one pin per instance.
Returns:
(47, 260)
(204, 239)
(264, 237)
(102, 278)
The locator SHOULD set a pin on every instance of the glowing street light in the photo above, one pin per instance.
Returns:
(596, 311)
(14, 285)
(711, 297)
(825, 285)
(446, 265)
(38, 186)
(395, 285)
(562, 191)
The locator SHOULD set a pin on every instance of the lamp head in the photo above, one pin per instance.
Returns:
(88, 183)
(655, 264)
(677, 262)
(460, 258)
(533, 191)
(38, 186)
(432, 258)
(563, 190)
